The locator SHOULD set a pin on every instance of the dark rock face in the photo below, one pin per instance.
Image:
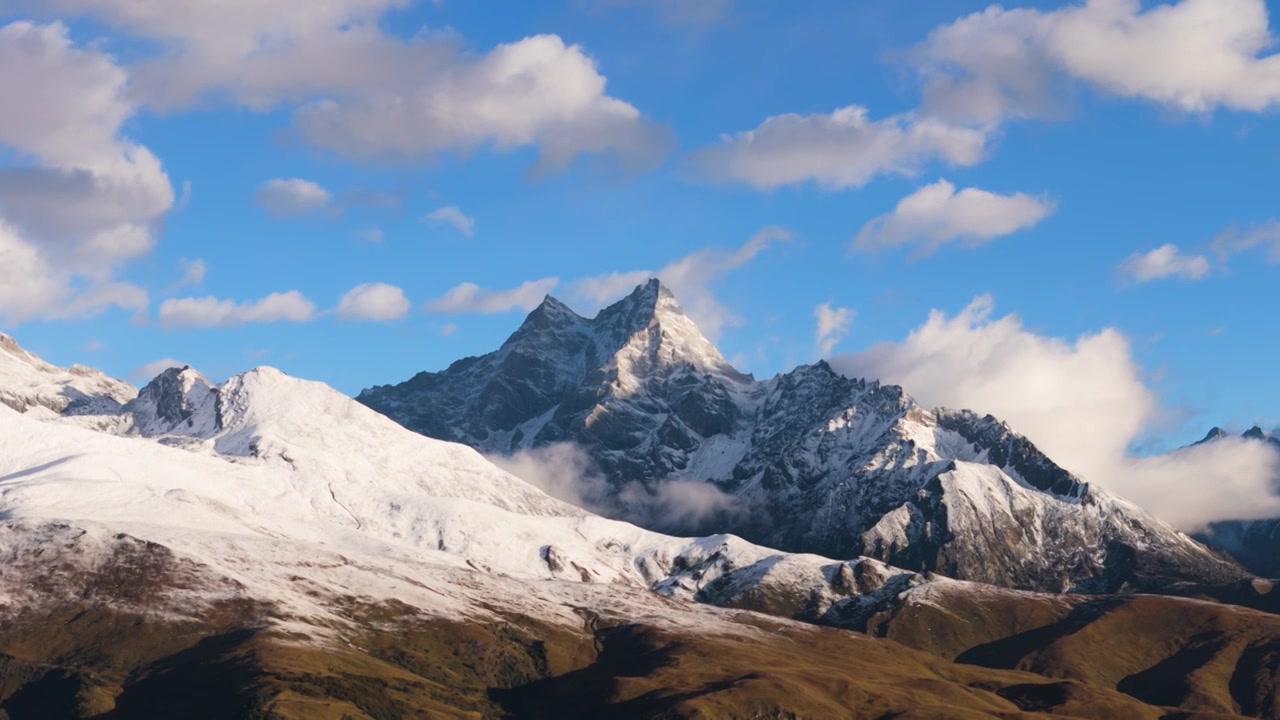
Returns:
(1008, 450)
(179, 401)
(813, 461)
(1255, 543)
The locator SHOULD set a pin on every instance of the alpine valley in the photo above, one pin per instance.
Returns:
(810, 546)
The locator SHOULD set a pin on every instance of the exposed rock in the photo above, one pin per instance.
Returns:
(815, 461)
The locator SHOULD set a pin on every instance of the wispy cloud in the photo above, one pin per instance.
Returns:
(691, 278)
(471, 298)
(833, 326)
(1235, 240)
(1166, 261)
(454, 217)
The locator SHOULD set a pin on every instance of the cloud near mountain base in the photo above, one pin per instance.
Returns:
(1083, 402)
(565, 471)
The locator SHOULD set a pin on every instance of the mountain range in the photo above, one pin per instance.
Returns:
(809, 461)
(267, 547)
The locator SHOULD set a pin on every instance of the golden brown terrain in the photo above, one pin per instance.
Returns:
(108, 643)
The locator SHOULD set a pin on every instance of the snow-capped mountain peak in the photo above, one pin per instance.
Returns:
(653, 330)
(808, 461)
(179, 401)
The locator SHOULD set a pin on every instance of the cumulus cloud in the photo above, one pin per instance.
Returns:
(452, 216)
(1165, 261)
(291, 306)
(691, 279)
(471, 298)
(78, 200)
(148, 372)
(377, 302)
(33, 287)
(362, 92)
(841, 150)
(937, 214)
(1235, 240)
(833, 325)
(566, 472)
(293, 196)
(1193, 55)
(1083, 401)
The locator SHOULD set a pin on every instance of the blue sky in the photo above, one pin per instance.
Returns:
(1116, 153)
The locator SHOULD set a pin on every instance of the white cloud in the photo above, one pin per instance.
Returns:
(1193, 55)
(691, 278)
(988, 66)
(471, 298)
(148, 372)
(1083, 402)
(833, 326)
(451, 215)
(448, 329)
(33, 287)
(1235, 240)
(377, 302)
(193, 271)
(537, 91)
(565, 471)
(1163, 262)
(841, 150)
(291, 306)
(294, 196)
(364, 93)
(79, 200)
(936, 214)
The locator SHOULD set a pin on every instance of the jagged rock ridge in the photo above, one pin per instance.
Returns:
(814, 461)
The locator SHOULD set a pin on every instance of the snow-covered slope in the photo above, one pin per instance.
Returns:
(29, 384)
(813, 461)
(286, 492)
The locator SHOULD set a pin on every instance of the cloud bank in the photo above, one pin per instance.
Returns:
(80, 200)
(471, 298)
(1193, 56)
(1084, 402)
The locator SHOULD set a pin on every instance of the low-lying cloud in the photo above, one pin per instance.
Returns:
(565, 471)
(1084, 402)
